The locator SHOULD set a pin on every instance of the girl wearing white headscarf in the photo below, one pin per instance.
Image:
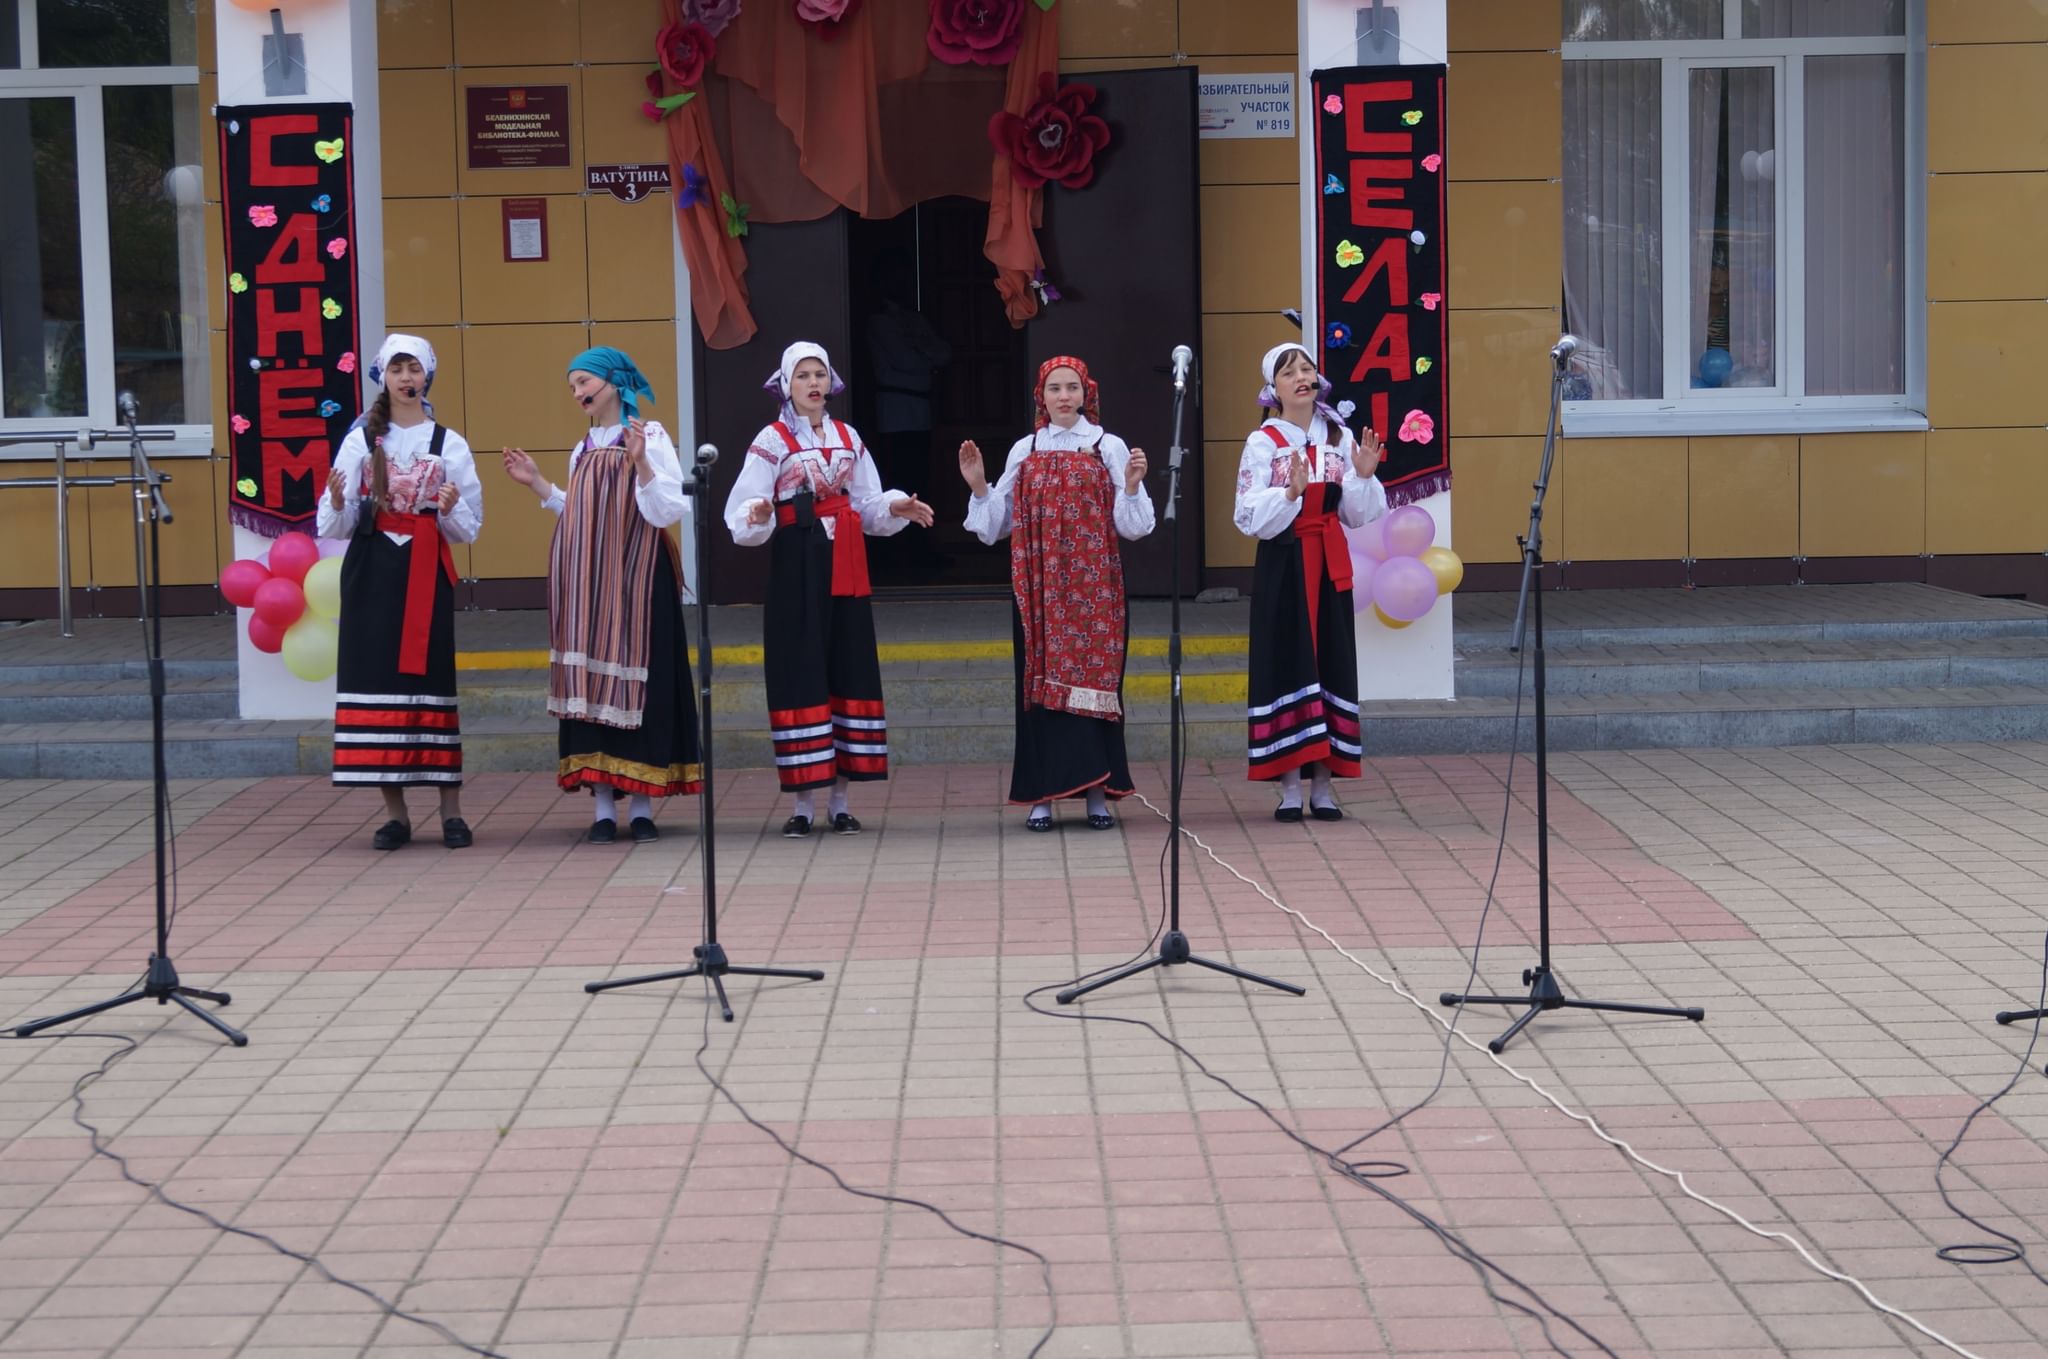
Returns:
(809, 489)
(1301, 480)
(402, 489)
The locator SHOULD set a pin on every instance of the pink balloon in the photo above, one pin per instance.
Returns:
(279, 602)
(264, 636)
(1404, 588)
(294, 554)
(1362, 570)
(239, 580)
(1409, 532)
(1371, 540)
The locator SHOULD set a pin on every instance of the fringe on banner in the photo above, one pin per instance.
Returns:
(1419, 488)
(257, 522)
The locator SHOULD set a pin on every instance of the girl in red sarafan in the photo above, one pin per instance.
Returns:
(1301, 479)
(810, 489)
(1068, 491)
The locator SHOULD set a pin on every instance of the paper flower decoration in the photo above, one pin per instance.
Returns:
(247, 486)
(1332, 184)
(735, 215)
(237, 284)
(662, 105)
(1430, 300)
(981, 32)
(324, 203)
(337, 247)
(1412, 117)
(1057, 138)
(1349, 254)
(346, 363)
(1423, 365)
(330, 308)
(262, 215)
(239, 423)
(1333, 103)
(714, 15)
(1432, 162)
(1336, 335)
(329, 151)
(1045, 288)
(692, 191)
(1346, 408)
(330, 408)
(824, 16)
(1418, 428)
(685, 51)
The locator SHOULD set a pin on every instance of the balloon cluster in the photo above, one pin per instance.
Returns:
(293, 601)
(1397, 570)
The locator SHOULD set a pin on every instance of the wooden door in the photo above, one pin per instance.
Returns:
(1125, 253)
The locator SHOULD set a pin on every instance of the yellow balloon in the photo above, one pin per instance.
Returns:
(1443, 563)
(310, 647)
(1377, 612)
(323, 587)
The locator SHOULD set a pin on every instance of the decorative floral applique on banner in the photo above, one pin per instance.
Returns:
(1381, 269)
(289, 211)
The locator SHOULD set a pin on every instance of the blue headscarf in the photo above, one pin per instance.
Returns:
(616, 367)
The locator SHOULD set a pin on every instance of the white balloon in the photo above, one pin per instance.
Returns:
(1749, 166)
(1767, 165)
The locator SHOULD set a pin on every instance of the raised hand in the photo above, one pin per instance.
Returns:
(635, 441)
(337, 487)
(913, 509)
(758, 510)
(519, 466)
(1366, 457)
(444, 500)
(971, 469)
(1134, 471)
(1297, 475)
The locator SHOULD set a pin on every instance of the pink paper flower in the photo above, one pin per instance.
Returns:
(347, 362)
(713, 14)
(1418, 428)
(337, 247)
(262, 214)
(1056, 140)
(1333, 104)
(1432, 162)
(984, 32)
(239, 424)
(825, 15)
(1429, 301)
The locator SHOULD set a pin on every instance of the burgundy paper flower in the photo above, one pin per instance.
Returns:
(984, 32)
(826, 16)
(1056, 139)
(713, 14)
(686, 51)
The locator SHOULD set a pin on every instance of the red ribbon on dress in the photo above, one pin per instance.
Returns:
(849, 542)
(1324, 549)
(419, 583)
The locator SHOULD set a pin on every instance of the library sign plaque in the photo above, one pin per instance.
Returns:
(518, 127)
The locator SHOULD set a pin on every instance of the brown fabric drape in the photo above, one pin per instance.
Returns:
(796, 126)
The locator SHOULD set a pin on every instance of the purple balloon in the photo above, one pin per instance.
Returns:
(1409, 532)
(1370, 541)
(1404, 588)
(1363, 569)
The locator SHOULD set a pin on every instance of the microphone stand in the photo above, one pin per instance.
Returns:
(161, 983)
(1173, 948)
(1544, 992)
(710, 955)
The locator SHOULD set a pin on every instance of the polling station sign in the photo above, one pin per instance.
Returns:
(1257, 105)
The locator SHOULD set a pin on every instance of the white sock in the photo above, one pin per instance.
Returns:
(1098, 803)
(1290, 788)
(642, 805)
(1040, 811)
(836, 803)
(803, 805)
(607, 803)
(1319, 792)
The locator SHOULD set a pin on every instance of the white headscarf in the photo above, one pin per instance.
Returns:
(1277, 355)
(393, 346)
(1270, 366)
(779, 380)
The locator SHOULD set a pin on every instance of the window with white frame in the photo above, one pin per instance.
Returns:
(102, 243)
(1743, 224)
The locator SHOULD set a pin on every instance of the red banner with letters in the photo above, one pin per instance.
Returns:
(288, 205)
(1380, 264)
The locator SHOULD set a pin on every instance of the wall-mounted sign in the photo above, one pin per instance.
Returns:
(627, 183)
(526, 229)
(518, 127)
(288, 209)
(1245, 105)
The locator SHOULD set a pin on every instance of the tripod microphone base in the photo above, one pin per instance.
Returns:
(163, 987)
(711, 962)
(1546, 994)
(1173, 950)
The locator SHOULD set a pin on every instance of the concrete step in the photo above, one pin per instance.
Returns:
(1727, 717)
(1772, 663)
(116, 700)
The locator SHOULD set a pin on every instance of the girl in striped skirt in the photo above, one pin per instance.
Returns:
(402, 488)
(809, 485)
(1303, 477)
(618, 670)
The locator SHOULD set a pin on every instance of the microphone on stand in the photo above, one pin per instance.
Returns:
(126, 404)
(1561, 352)
(707, 454)
(1183, 357)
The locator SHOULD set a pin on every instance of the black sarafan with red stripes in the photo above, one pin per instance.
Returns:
(392, 728)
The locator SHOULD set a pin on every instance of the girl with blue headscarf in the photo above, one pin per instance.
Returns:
(618, 670)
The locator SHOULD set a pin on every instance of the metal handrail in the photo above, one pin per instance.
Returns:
(84, 439)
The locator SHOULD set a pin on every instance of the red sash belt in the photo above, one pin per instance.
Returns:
(1324, 549)
(419, 583)
(849, 542)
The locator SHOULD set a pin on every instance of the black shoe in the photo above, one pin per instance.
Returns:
(643, 830)
(1041, 824)
(845, 824)
(1101, 821)
(603, 832)
(391, 835)
(796, 828)
(455, 833)
(1330, 813)
(1290, 815)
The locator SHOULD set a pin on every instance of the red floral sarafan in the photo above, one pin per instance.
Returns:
(983, 32)
(1057, 138)
(685, 51)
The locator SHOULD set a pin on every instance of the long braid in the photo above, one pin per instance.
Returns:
(374, 429)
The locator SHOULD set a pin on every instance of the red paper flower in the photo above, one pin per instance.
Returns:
(1056, 139)
(685, 51)
(984, 32)
(825, 16)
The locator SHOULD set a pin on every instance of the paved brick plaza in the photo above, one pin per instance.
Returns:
(432, 1104)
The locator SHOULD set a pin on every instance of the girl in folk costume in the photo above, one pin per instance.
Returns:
(1301, 478)
(1067, 492)
(809, 484)
(402, 489)
(618, 671)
